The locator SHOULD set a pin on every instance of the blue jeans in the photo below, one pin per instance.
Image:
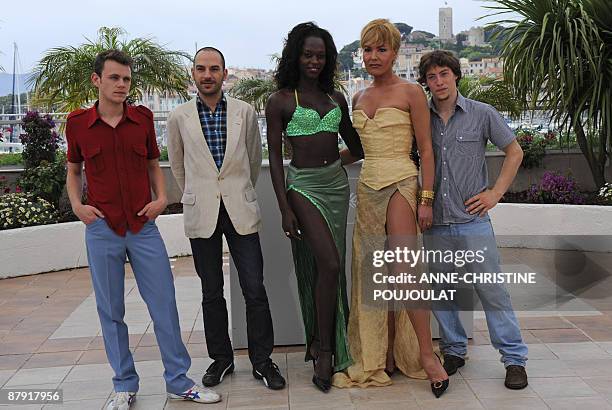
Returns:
(106, 252)
(502, 323)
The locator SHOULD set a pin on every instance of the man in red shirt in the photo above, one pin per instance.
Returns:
(118, 146)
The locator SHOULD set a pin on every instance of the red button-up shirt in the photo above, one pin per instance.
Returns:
(115, 162)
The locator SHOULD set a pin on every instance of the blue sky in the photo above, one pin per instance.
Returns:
(246, 31)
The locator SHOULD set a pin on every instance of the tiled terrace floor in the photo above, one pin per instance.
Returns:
(50, 337)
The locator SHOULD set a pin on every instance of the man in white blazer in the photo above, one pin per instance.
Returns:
(214, 147)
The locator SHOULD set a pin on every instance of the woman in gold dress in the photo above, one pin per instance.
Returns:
(389, 115)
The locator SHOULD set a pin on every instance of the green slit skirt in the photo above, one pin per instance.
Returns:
(328, 190)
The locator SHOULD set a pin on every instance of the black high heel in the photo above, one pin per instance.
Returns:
(322, 384)
(438, 388)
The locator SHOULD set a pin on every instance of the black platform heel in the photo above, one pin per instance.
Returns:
(322, 384)
(438, 388)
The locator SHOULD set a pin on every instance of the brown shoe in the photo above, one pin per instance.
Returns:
(516, 377)
(452, 363)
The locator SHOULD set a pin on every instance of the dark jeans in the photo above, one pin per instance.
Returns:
(246, 253)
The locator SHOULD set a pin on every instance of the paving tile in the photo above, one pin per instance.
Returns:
(560, 335)
(52, 359)
(186, 405)
(601, 384)
(548, 368)
(197, 350)
(90, 372)
(483, 370)
(557, 387)
(258, 398)
(591, 322)
(150, 402)
(310, 396)
(572, 403)
(64, 345)
(150, 386)
(5, 375)
(547, 322)
(145, 353)
(197, 336)
(438, 404)
(607, 346)
(10, 362)
(591, 367)
(495, 389)
(93, 357)
(38, 376)
(599, 335)
(482, 352)
(77, 405)
(480, 338)
(148, 339)
(395, 393)
(87, 389)
(387, 405)
(19, 347)
(580, 350)
(540, 352)
(518, 403)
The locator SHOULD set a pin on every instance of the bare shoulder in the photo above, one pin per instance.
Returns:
(339, 98)
(278, 100)
(410, 88)
(357, 96)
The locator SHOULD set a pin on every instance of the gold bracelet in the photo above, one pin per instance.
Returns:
(427, 194)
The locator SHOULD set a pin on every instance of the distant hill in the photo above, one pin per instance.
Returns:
(6, 83)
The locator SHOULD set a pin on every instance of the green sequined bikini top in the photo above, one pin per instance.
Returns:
(307, 121)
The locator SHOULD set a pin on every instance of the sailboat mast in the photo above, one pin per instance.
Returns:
(13, 99)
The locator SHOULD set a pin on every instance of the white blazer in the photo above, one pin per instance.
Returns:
(202, 184)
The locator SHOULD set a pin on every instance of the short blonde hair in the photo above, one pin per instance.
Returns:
(381, 31)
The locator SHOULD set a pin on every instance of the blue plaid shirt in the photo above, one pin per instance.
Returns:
(214, 127)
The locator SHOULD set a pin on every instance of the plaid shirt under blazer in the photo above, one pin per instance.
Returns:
(202, 183)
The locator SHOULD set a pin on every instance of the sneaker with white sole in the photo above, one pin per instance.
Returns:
(198, 394)
(122, 400)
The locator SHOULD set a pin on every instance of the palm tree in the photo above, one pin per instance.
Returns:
(491, 91)
(61, 78)
(255, 91)
(558, 57)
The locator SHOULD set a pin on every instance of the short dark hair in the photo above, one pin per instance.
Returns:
(209, 48)
(287, 73)
(114, 55)
(438, 58)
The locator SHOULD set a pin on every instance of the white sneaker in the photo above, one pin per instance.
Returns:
(122, 400)
(198, 394)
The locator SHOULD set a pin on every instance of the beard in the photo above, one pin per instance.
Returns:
(209, 91)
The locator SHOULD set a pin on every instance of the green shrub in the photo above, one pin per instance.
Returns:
(10, 159)
(18, 210)
(163, 153)
(46, 180)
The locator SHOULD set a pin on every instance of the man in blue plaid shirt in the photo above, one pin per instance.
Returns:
(214, 147)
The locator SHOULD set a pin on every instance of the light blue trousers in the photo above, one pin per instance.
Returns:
(106, 252)
(503, 326)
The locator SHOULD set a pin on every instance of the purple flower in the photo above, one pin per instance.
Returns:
(556, 189)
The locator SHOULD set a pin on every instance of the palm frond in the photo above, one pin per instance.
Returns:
(61, 79)
(255, 91)
(558, 58)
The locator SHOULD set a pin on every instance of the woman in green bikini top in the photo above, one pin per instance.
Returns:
(314, 200)
(307, 121)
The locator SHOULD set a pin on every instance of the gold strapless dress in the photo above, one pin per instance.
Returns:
(387, 168)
